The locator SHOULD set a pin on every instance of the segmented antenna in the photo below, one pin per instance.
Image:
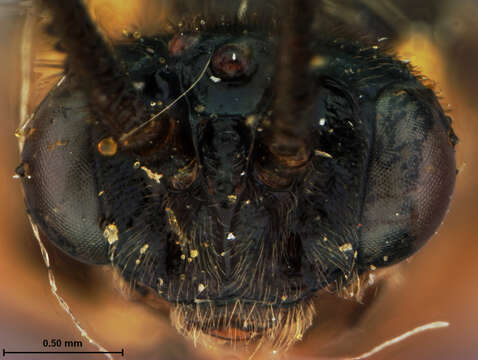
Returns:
(111, 95)
(294, 86)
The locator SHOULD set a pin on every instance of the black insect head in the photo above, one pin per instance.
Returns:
(235, 168)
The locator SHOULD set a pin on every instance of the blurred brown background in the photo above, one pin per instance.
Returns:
(440, 37)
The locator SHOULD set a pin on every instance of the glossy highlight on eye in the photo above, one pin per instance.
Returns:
(232, 62)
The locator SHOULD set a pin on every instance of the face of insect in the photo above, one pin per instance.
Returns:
(194, 207)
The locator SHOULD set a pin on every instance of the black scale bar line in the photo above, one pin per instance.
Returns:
(4, 352)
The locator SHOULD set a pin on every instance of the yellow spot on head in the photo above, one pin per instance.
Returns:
(317, 61)
(199, 108)
(144, 249)
(251, 120)
(111, 233)
(152, 175)
(107, 147)
(345, 247)
(323, 154)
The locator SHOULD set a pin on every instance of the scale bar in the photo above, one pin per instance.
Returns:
(62, 352)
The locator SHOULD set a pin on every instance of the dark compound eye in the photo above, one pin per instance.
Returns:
(231, 62)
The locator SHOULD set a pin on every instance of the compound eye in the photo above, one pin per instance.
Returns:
(232, 62)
